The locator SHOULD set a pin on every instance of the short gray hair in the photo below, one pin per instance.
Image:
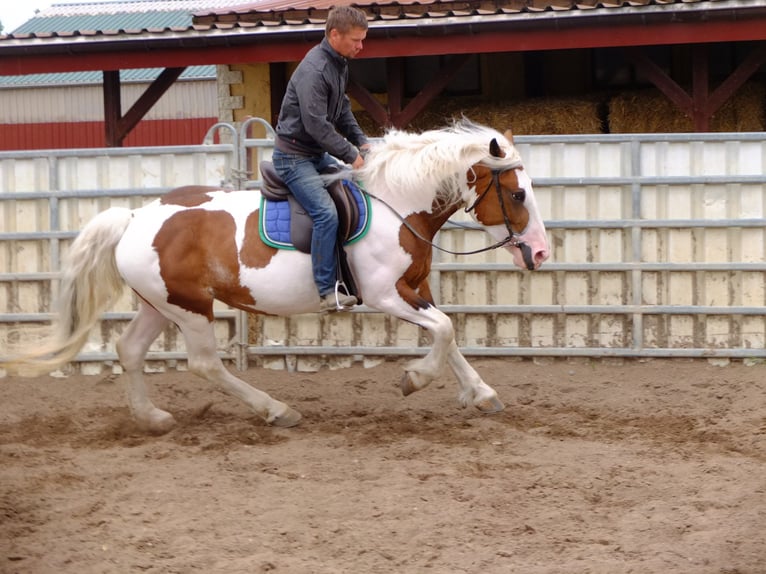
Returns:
(344, 19)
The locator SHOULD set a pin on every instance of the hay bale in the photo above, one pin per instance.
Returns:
(529, 117)
(650, 111)
(549, 116)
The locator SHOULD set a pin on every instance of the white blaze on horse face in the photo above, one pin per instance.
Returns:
(534, 235)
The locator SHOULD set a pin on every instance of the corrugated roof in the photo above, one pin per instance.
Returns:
(296, 11)
(207, 15)
(127, 6)
(134, 21)
(128, 15)
(114, 17)
(137, 75)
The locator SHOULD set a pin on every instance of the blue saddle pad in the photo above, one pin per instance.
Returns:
(274, 222)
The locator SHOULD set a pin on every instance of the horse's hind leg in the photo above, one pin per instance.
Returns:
(205, 362)
(132, 348)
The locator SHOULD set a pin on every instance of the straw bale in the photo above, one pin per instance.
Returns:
(529, 117)
(650, 111)
(549, 116)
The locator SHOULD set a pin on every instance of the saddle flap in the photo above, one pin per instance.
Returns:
(348, 210)
(273, 187)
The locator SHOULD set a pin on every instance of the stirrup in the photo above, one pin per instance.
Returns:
(337, 301)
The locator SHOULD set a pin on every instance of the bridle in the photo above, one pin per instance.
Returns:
(496, 173)
(513, 238)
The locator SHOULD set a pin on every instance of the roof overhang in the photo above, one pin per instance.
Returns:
(246, 42)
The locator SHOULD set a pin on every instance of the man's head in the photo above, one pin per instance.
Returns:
(346, 29)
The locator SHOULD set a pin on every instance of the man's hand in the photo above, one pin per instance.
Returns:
(359, 161)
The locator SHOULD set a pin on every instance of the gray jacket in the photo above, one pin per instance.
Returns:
(316, 113)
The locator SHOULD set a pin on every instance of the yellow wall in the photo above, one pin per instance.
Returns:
(255, 90)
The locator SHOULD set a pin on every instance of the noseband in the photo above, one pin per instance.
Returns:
(513, 238)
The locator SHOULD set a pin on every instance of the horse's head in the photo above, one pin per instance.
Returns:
(504, 203)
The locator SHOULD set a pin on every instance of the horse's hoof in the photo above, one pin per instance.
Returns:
(407, 385)
(289, 418)
(158, 423)
(491, 405)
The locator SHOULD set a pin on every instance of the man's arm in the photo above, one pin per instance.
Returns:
(313, 93)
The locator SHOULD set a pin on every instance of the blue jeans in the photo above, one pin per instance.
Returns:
(301, 174)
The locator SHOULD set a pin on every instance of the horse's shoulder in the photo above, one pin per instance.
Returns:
(188, 195)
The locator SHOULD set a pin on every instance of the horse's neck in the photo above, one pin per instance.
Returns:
(439, 217)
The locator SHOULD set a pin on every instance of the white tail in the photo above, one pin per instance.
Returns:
(90, 282)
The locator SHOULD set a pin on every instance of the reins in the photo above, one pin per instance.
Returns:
(514, 241)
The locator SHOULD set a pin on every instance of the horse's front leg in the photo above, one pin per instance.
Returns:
(417, 306)
(473, 390)
(418, 373)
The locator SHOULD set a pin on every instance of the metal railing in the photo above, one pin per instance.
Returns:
(245, 151)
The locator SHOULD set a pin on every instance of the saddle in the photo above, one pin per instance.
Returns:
(285, 224)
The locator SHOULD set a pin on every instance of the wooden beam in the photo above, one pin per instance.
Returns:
(277, 89)
(659, 78)
(702, 104)
(701, 112)
(112, 108)
(117, 126)
(395, 115)
(377, 111)
(738, 77)
(395, 83)
(151, 96)
(431, 90)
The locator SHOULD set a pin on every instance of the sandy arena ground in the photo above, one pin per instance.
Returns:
(595, 467)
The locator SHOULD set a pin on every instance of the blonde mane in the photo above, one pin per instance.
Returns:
(419, 169)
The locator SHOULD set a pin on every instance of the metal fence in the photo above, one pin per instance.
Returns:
(657, 242)
(47, 196)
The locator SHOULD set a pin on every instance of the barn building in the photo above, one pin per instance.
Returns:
(556, 66)
(66, 109)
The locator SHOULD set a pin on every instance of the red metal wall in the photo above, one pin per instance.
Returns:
(91, 134)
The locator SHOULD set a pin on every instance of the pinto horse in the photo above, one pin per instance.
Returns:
(198, 244)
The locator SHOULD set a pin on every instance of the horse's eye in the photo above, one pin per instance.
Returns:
(519, 195)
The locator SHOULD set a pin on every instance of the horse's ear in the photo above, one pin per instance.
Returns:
(508, 135)
(495, 150)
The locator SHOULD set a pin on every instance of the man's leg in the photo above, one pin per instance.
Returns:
(301, 176)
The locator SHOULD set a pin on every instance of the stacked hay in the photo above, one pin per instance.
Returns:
(529, 117)
(642, 111)
(544, 116)
(650, 111)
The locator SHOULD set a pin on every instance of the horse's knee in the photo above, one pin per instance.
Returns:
(205, 369)
(443, 330)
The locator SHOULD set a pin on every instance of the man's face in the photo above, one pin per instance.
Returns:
(349, 44)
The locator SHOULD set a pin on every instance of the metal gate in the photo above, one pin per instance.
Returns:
(657, 250)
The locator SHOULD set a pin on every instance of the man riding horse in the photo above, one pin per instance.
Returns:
(316, 123)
